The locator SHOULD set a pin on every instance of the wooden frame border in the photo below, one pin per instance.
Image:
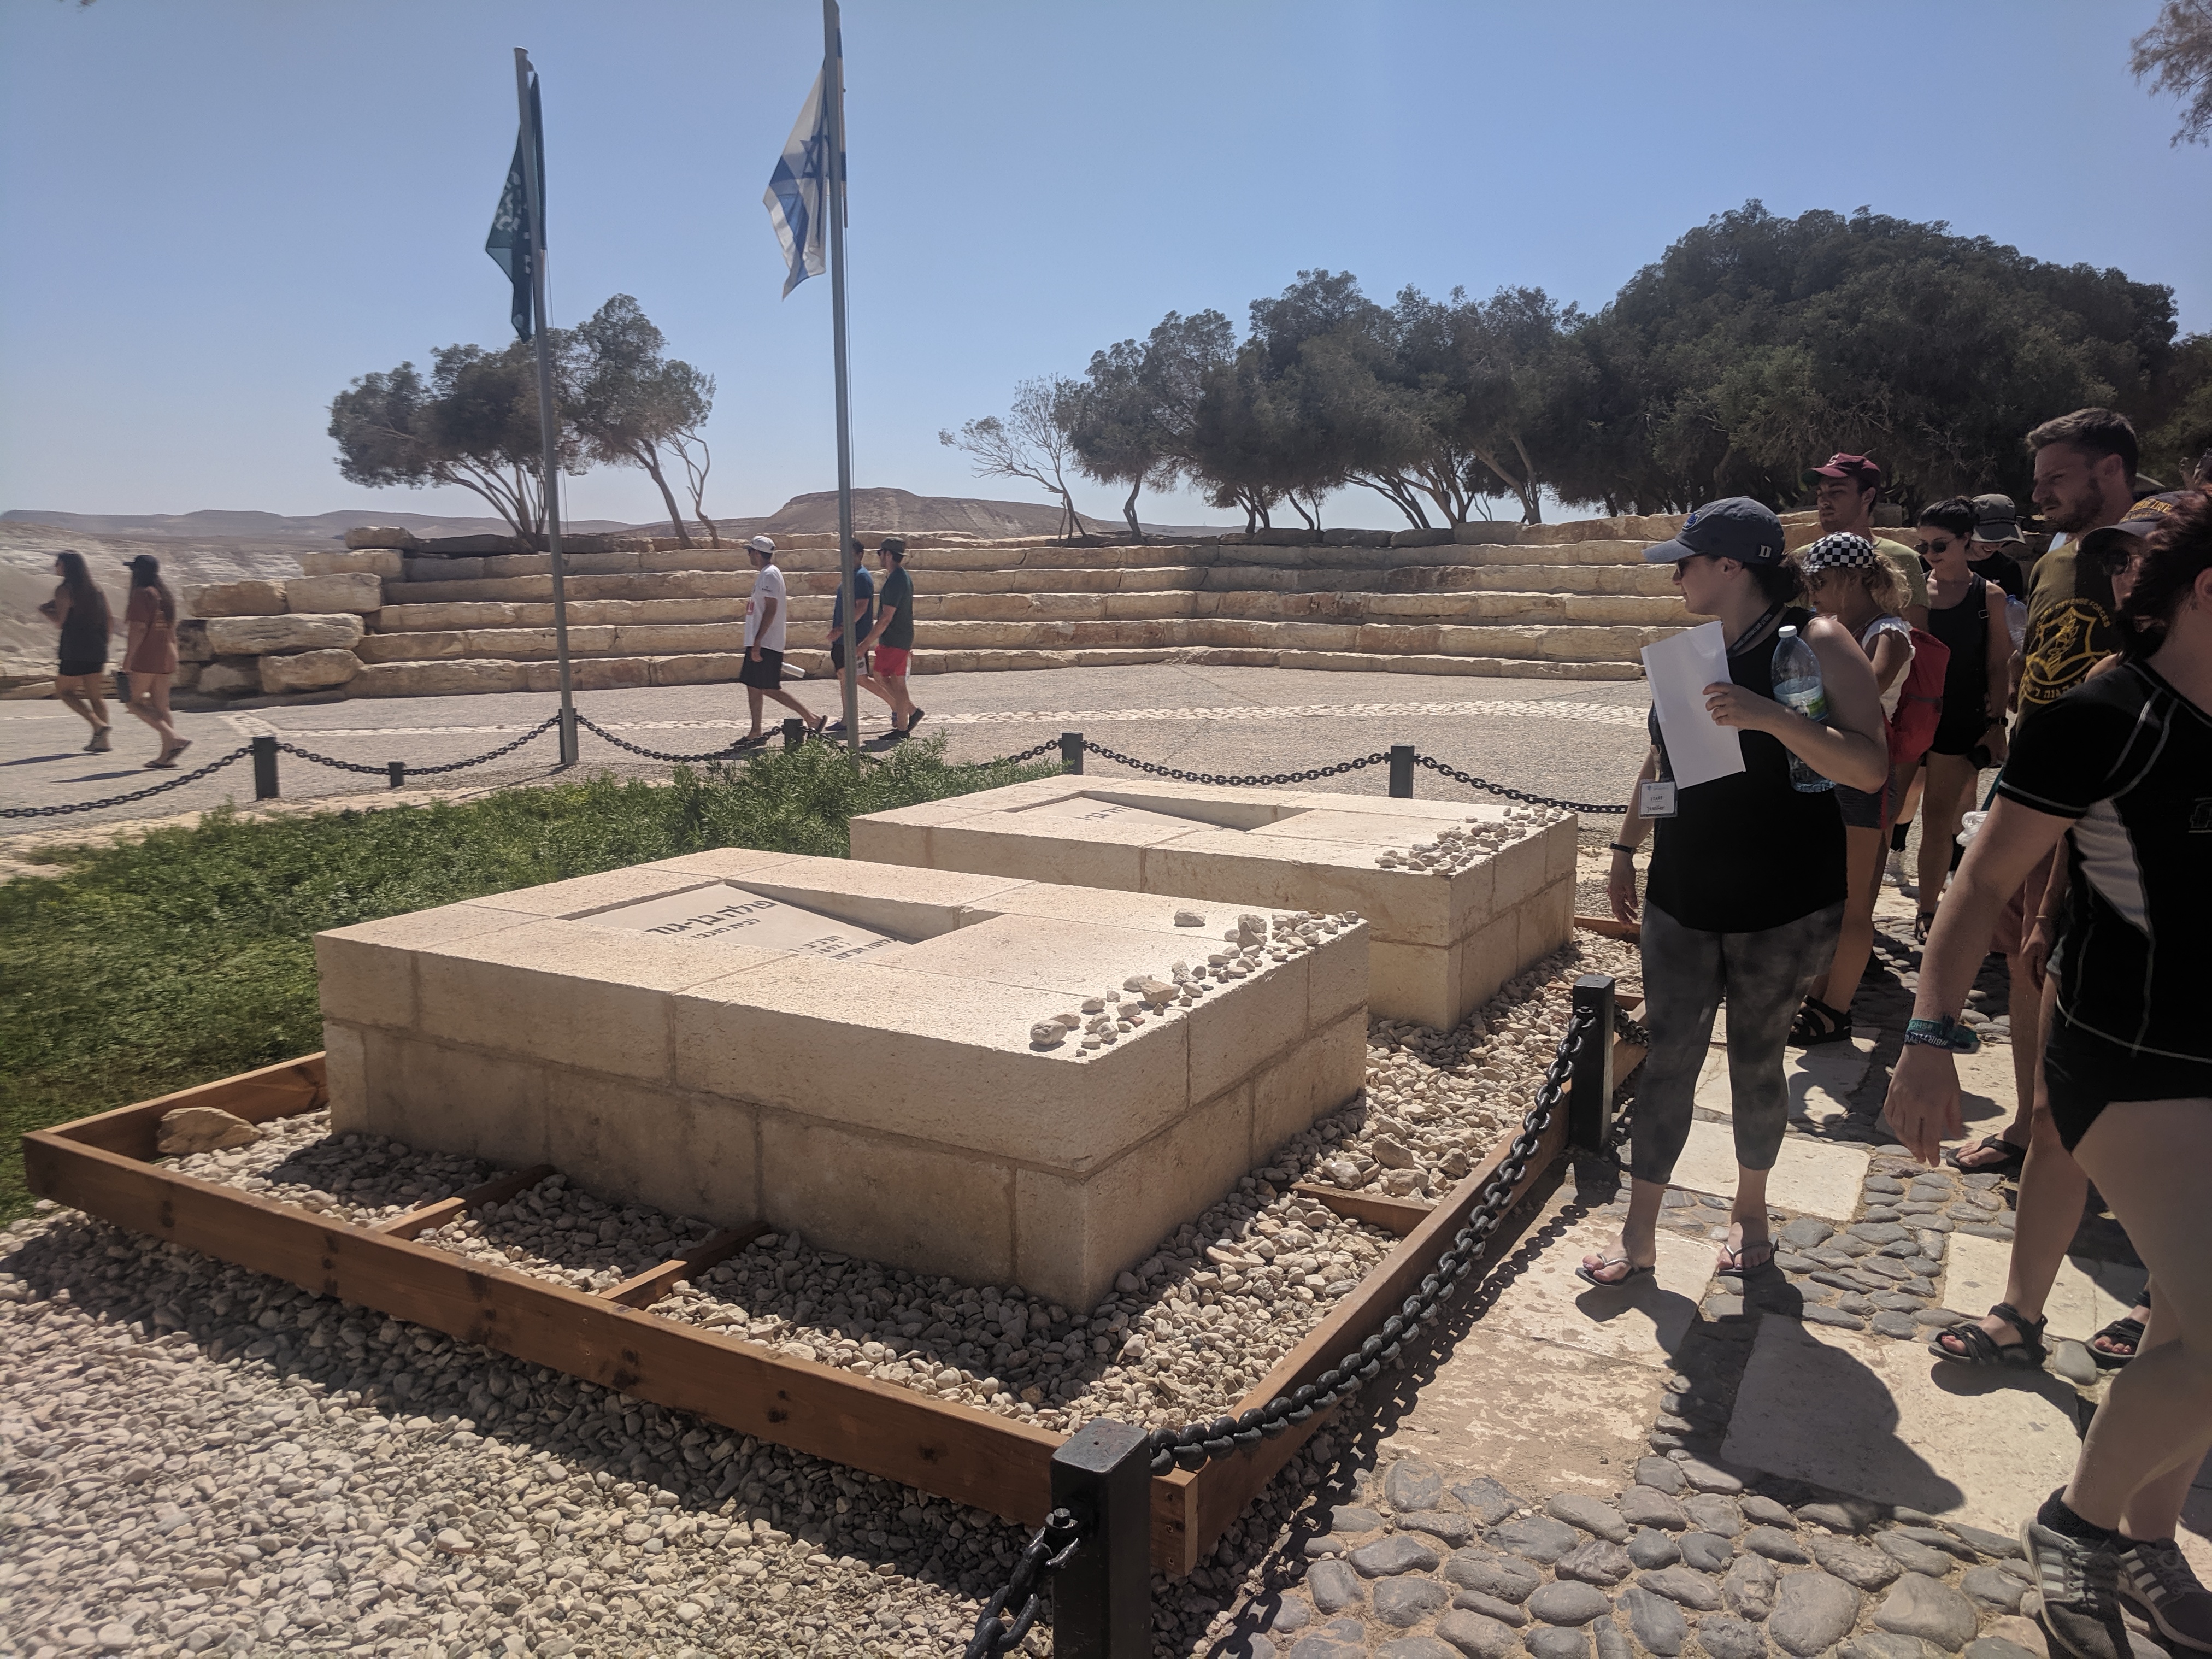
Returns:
(103, 1165)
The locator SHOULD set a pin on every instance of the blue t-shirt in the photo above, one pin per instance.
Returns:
(864, 587)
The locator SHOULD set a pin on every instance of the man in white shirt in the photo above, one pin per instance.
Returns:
(762, 673)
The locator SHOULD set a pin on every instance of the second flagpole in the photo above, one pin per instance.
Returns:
(833, 88)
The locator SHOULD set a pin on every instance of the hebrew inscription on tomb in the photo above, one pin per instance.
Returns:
(730, 914)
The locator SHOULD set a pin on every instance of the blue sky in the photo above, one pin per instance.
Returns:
(215, 213)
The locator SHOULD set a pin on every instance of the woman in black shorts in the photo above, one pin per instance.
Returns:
(2124, 761)
(1746, 890)
(79, 609)
(1967, 614)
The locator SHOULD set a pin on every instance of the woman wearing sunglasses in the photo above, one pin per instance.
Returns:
(1967, 615)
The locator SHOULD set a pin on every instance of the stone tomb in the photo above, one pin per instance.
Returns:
(1447, 932)
(878, 1057)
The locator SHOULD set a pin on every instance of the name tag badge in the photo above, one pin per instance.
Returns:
(1656, 799)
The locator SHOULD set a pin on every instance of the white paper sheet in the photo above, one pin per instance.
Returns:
(1680, 669)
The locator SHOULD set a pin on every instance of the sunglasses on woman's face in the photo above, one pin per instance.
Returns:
(1935, 546)
(2118, 560)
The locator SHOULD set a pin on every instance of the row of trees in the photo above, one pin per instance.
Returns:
(472, 421)
(1755, 346)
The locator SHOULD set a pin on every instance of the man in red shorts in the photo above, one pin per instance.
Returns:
(892, 639)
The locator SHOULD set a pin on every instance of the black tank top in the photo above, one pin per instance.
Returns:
(1747, 853)
(1965, 627)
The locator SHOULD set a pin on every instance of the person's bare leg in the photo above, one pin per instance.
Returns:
(148, 701)
(1748, 1222)
(1639, 1233)
(753, 703)
(2052, 1191)
(1864, 851)
(807, 715)
(2154, 1510)
(2149, 1159)
(1950, 783)
(902, 705)
(80, 694)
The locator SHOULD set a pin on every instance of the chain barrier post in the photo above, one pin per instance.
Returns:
(1589, 1105)
(264, 768)
(567, 726)
(1401, 771)
(1101, 1597)
(396, 772)
(1071, 752)
(794, 733)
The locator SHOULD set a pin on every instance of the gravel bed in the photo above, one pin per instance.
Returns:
(197, 1458)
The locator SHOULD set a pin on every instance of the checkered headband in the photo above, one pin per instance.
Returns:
(1841, 552)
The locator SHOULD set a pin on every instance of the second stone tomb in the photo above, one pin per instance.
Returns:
(922, 1067)
(1459, 898)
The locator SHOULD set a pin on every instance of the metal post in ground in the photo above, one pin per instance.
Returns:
(1102, 1598)
(397, 772)
(794, 732)
(1071, 752)
(1589, 1103)
(1401, 771)
(264, 768)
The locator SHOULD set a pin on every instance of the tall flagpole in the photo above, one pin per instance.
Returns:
(550, 474)
(833, 88)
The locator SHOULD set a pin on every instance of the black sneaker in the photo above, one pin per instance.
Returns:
(2079, 1586)
(2154, 1575)
(913, 720)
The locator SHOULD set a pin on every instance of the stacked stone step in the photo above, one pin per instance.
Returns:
(1567, 601)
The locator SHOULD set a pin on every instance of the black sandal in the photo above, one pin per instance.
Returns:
(1921, 924)
(1817, 1022)
(1978, 1348)
(2128, 1329)
(2010, 1165)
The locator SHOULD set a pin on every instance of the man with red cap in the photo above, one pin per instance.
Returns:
(1842, 495)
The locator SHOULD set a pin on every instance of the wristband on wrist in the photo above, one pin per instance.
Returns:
(1622, 847)
(1945, 1033)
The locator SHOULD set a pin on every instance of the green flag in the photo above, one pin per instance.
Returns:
(510, 243)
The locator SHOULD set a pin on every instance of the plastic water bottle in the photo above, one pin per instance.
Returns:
(2016, 621)
(1797, 685)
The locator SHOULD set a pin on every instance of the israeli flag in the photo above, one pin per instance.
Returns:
(798, 195)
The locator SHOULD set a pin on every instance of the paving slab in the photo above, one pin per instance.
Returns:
(1644, 1323)
(2087, 1296)
(1810, 1178)
(1821, 1081)
(1888, 1422)
(1541, 1417)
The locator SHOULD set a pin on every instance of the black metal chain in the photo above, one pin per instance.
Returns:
(593, 727)
(1337, 770)
(124, 800)
(1050, 746)
(1196, 1444)
(534, 732)
(1046, 1552)
(1474, 782)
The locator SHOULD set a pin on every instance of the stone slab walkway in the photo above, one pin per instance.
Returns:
(1729, 1467)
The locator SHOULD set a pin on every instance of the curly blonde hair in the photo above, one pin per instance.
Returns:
(1884, 583)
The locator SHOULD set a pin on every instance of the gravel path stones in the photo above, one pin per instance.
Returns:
(1640, 1506)
(1591, 1516)
(1388, 1557)
(1563, 1601)
(1656, 1620)
(1477, 1637)
(1930, 1609)
(1812, 1613)
(1538, 1537)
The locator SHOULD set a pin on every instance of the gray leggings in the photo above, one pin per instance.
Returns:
(1763, 977)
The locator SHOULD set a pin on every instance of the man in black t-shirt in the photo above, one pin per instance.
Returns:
(892, 639)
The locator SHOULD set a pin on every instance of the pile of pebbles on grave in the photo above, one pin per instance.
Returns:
(1437, 1102)
(197, 1458)
(1456, 848)
(1472, 1569)
(1105, 1019)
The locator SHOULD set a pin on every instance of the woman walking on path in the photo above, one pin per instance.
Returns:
(1966, 614)
(1848, 581)
(79, 609)
(2121, 762)
(1745, 889)
(150, 655)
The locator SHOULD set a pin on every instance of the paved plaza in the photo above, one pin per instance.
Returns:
(1578, 740)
